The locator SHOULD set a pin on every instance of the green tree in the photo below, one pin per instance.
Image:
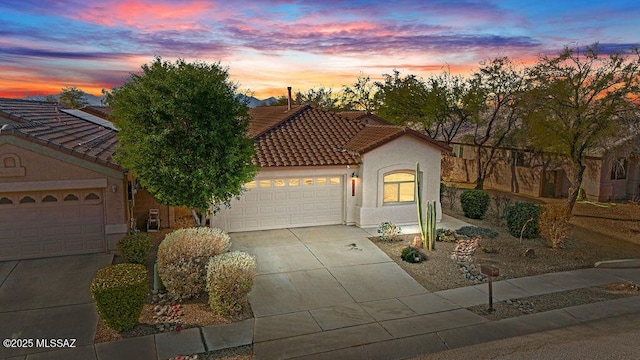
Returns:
(582, 101)
(360, 96)
(440, 105)
(403, 100)
(499, 87)
(321, 97)
(183, 133)
(72, 97)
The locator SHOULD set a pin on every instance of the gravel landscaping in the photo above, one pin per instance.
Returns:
(559, 300)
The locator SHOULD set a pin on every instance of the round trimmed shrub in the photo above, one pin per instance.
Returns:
(474, 203)
(135, 248)
(120, 292)
(520, 214)
(229, 280)
(183, 256)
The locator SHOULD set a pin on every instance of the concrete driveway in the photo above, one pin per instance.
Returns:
(323, 288)
(48, 298)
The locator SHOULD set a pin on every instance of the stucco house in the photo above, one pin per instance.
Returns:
(318, 168)
(611, 174)
(61, 192)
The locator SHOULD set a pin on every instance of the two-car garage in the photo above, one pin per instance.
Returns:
(280, 202)
(51, 223)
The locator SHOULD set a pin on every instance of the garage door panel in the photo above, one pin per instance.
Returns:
(51, 228)
(288, 206)
(294, 195)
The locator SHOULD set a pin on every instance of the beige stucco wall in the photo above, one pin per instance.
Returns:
(399, 154)
(48, 169)
(618, 189)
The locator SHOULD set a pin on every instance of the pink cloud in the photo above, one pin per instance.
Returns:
(148, 14)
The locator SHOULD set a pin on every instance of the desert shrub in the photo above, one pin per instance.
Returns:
(183, 256)
(474, 203)
(523, 215)
(388, 231)
(554, 225)
(229, 281)
(412, 255)
(120, 292)
(135, 248)
(475, 231)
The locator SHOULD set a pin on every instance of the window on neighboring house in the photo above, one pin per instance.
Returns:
(619, 169)
(458, 150)
(399, 187)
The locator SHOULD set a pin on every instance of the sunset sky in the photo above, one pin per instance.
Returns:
(267, 45)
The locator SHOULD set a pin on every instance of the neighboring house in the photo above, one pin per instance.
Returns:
(613, 174)
(318, 168)
(60, 191)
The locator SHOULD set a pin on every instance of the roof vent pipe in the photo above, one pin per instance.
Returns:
(289, 100)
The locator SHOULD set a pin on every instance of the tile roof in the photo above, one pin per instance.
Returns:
(264, 118)
(44, 123)
(364, 117)
(307, 136)
(373, 136)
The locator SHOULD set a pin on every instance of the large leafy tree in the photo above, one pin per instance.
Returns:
(183, 133)
(403, 100)
(582, 101)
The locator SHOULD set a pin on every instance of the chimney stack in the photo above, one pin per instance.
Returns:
(289, 100)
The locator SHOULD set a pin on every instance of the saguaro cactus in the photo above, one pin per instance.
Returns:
(427, 226)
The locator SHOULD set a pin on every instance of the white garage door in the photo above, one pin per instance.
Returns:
(288, 202)
(51, 223)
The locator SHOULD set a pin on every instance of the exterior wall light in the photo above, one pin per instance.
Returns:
(354, 176)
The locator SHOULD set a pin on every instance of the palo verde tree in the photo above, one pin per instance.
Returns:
(499, 87)
(321, 97)
(183, 134)
(582, 101)
(360, 96)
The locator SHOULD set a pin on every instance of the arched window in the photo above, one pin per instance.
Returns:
(49, 198)
(27, 200)
(9, 162)
(92, 196)
(71, 197)
(399, 187)
(5, 201)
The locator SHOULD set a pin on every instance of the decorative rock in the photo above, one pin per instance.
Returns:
(417, 242)
(462, 255)
(529, 253)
